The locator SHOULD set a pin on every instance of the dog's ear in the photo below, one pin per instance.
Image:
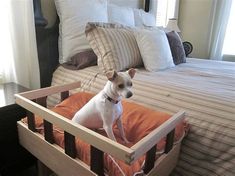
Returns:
(131, 72)
(111, 75)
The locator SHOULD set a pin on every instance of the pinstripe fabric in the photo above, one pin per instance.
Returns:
(115, 46)
(205, 89)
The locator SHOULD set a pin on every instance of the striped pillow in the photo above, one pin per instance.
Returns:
(114, 45)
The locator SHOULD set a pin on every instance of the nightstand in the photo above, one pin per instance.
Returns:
(13, 157)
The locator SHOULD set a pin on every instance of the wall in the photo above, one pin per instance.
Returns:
(195, 21)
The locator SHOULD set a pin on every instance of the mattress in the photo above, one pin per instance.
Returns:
(204, 88)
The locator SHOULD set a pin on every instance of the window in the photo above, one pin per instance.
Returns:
(228, 47)
(166, 9)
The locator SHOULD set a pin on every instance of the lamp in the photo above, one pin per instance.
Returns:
(172, 25)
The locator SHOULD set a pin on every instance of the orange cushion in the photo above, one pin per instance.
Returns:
(138, 121)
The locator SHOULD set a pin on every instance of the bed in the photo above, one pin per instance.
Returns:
(204, 89)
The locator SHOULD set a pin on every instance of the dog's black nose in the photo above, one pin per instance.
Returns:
(129, 94)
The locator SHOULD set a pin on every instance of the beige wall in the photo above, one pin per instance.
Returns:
(195, 21)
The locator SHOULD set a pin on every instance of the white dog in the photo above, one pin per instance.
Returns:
(104, 109)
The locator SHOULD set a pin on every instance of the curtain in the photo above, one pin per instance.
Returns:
(19, 61)
(220, 21)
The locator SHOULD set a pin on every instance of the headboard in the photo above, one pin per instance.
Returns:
(47, 32)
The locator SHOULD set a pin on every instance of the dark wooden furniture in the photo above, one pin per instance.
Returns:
(13, 157)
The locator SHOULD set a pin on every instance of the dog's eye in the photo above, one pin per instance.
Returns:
(121, 86)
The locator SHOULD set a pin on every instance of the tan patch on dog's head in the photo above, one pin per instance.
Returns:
(122, 82)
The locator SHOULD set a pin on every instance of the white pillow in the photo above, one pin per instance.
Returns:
(121, 15)
(74, 15)
(143, 18)
(154, 49)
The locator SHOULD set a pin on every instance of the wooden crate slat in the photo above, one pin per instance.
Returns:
(48, 131)
(150, 159)
(42, 101)
(69, 144)
(31, 121)
(34, 94)
(64, 95)
(97, 161)
(169, 141)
